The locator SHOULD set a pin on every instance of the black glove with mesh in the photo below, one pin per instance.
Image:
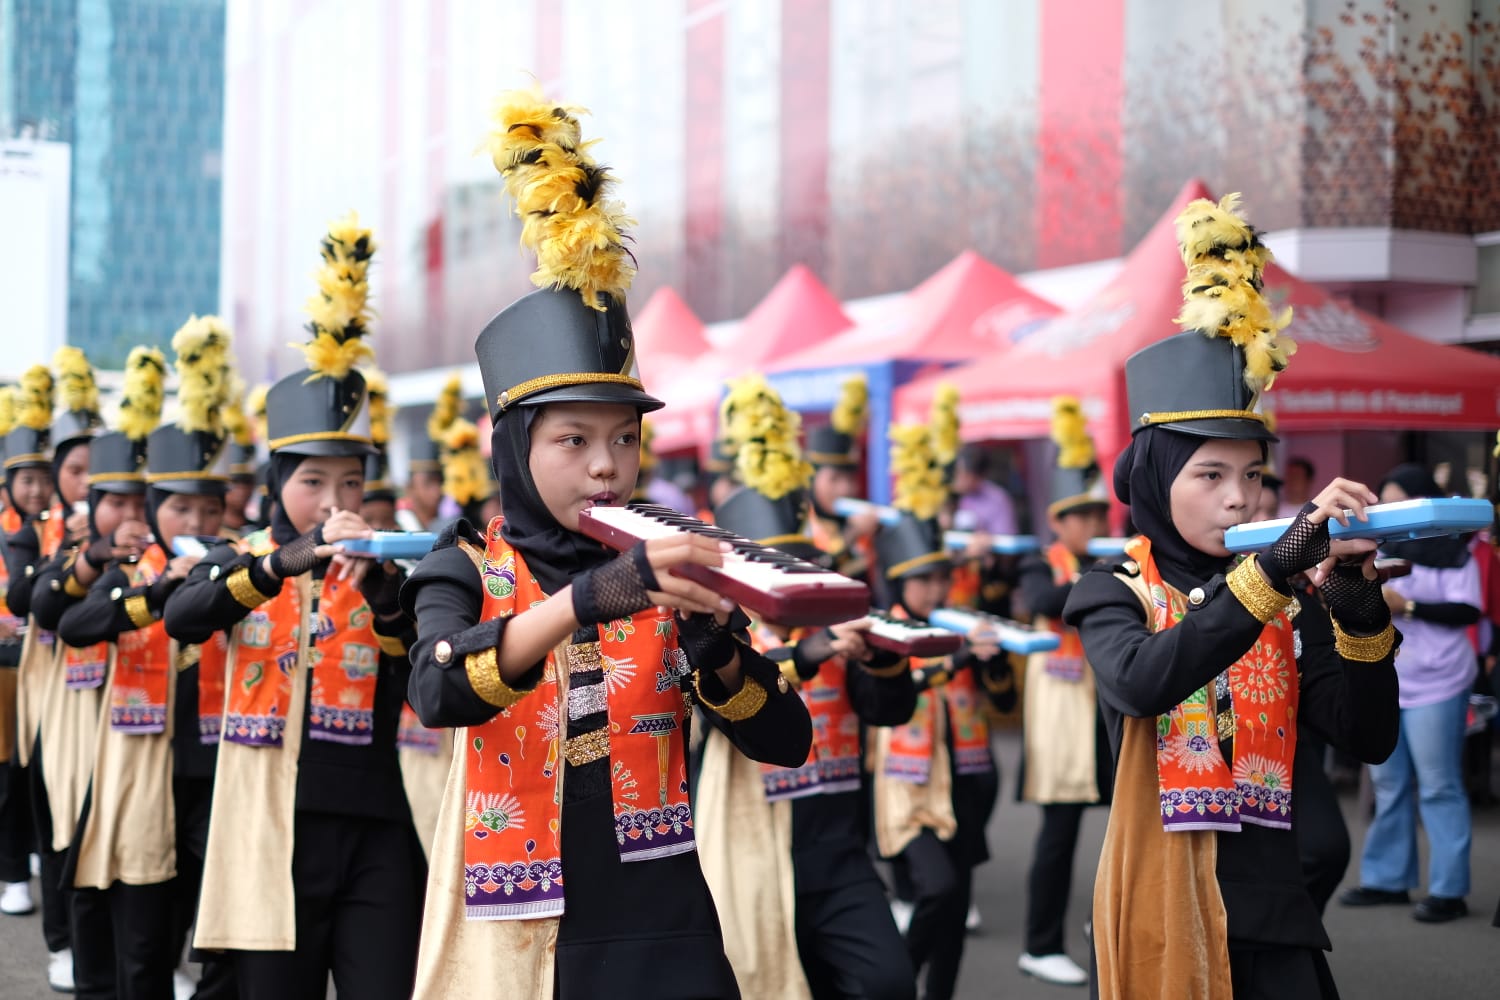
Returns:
(299, 555)
(100, 552)
(708, 645)
(615, 589)
(1301, 547)
(1356, 604)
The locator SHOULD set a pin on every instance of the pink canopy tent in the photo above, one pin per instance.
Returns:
(968, 309)
(668, 336)
(1351, 371)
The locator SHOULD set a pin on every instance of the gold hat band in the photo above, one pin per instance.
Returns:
(1074, 502)
(1175, 416)
(831, 458)
(209, 477)
(315, 436)
(516, 393)
(116, 477)
(34, 457)
(902, 568)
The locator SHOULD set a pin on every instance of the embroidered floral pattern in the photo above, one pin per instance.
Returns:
(1263, 676)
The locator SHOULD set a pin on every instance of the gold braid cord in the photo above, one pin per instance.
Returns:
(1255, 592)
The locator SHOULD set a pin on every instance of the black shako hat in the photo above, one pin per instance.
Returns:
(910, 547)
(549, 347)
(1194, 385)
(180, 461)
(779, 524)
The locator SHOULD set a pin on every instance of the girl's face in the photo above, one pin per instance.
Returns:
(31, 489)
(1392, 492)
(73, 475)
(320, 484)
(925, 593)
(114, 509)
(584, 455)
(1075, 528)
(188, 514)
(1218, 488)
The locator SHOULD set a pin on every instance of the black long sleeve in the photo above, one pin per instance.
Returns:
(22, 553)
(880, 701)
(49, 591)
(1041, 595)
(100, 616)
(1354, 706)
(204, 604)
(1452, 613)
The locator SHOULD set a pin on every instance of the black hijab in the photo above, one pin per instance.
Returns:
(1446, 552)
(553, 553)
(1144, 473)
(279, 471)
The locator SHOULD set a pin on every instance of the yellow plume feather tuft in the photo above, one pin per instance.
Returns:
(235, 420)
(1222, 297)
(465, 476)
(562, 197)
(446, 408)
(648, 456)
(850, 411)
(1075, 449)
(920, 486)
(255, 406)
(944, 420)
(340, 312)
(141, 401)
(75, 380)
(762, 432)
(381, 412)
(204, 373)
(34, 399)
(1270, 419)
(7, 409)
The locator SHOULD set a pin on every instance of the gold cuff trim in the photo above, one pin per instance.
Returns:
(390, 645)
(1175, 416)
(282, 442)
(1255, 592)
(908, 565)
(164, 477)
(242, 590)
(516, 393)
(789, 671)
(586, 749)
(743, 704)
(116, 477)
(483, 670)
(73, 588)
(138, 611)
(1364, 648)
(901, 666)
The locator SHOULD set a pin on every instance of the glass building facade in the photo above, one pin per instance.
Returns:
(136, 87)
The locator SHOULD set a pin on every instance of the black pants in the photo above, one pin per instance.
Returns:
(942, 882)
(1050, 883)
(193, 798)
(850, 947)
(1322, 836)
(359, 886)
(1280, 974)
(16, 828)
(56, 901)
(91, 926)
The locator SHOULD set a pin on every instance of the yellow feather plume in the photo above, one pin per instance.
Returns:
(465, 476)
(762, 433)
(1222, 297)
(1496, 452)
(236, 423)
(446, 408)
(1075, 449)
(204, 373)
(7, 409)
(562, 197)
(141, 401)
(648, 456)
(944, 421)
(75, 380)
(34, 399)
(381, 412)
(340, 312)
(255, 407)
(848, 416)
(920, 486)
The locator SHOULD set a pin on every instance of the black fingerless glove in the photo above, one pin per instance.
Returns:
(616, 589)
(382, 590)
(708, 645)
(811, 652)
(297, 556)
(1301, 547)
(100, 552)
(1357, 604)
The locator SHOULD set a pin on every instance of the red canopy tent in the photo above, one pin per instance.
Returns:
(668, 336)
(968, 309)
(1352, 371)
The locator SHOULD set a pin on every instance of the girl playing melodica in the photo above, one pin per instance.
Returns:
(564, 863)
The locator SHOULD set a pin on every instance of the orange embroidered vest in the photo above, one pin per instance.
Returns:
(910, 755)
(339, 646)
(833, 761)
(513, 864)
(1252, 706)
(1066, 661)
(213, 657)
(138, 691)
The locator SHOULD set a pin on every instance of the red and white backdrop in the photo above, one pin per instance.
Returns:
(872, 140)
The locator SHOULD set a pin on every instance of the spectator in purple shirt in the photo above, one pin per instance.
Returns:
(982, 505)
(1436, 667)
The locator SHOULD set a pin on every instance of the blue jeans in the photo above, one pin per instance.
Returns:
(1428, 755)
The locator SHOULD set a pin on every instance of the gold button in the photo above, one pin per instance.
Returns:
(1196, 596)
(443, 652)
(56, 583)
(504, 399)
(213, 572)
(116, 594)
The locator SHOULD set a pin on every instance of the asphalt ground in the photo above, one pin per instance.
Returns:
(1379, 952)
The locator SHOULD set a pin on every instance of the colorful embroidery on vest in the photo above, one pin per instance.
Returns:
(138, 693)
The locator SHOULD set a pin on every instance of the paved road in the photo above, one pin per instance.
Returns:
(1377, 953)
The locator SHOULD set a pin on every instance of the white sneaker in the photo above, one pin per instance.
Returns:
(60, 970)
(15, 899)
(901, 911)
(973, 921)
(183, 985)
(1058, 969)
